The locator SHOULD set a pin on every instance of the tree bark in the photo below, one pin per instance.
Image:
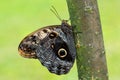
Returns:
(91, 60)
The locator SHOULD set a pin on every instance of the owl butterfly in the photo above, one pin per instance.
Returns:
(53, 46)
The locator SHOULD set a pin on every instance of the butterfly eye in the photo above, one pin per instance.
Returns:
(62, 53)
(52, 35)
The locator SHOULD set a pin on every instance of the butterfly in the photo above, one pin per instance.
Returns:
(53, 46)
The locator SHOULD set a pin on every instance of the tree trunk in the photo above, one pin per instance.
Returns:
(91, 60)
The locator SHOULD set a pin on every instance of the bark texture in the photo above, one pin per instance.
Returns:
(85, 19)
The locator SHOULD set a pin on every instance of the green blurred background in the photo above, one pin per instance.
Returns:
(20, 17)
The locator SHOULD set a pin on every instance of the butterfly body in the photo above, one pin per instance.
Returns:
(53, 46)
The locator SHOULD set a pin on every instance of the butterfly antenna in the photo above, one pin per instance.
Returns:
(56, 13)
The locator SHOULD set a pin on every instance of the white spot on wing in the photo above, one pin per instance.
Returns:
(41, 34)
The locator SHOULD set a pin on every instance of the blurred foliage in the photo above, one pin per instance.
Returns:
(20, 17)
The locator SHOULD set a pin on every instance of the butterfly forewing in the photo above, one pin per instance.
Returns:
(29, 44)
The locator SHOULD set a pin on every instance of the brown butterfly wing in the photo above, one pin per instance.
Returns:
(29, 44)
(53, 46)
